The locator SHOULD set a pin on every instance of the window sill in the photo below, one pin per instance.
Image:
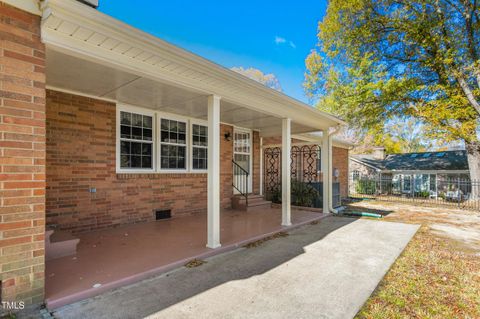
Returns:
(159, 175)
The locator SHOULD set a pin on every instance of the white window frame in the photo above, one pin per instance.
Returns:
(196, 122)
(157, 117)
(250, 153)
(142, 111)
(179, 118)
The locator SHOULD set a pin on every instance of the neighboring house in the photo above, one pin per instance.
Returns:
(105, 125)
(432, 173)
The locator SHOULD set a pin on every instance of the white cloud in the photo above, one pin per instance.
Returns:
(279, 40)
(282, 41)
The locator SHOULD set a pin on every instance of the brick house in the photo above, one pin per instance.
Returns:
(103, 125)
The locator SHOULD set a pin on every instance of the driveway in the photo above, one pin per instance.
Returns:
(326, 270)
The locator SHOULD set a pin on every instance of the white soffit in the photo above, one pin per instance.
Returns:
(75, 75)
(78, 30)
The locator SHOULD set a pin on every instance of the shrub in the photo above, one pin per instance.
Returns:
(365, 186)
(303, 194)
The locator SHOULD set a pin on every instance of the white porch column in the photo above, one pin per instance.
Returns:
(213, 219)
(286, 150)
(325, 169)
(261, 166)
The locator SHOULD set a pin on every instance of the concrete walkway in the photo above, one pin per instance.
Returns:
(327, 270)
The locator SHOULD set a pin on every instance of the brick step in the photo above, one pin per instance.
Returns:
(60, 244)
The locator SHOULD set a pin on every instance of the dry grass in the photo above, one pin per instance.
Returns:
(261, 241)
(435, 277)
(195, 263)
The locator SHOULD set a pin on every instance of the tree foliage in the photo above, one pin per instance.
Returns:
(269, 80)
(379, 60)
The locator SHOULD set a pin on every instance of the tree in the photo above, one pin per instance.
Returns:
(378, 60)
(397, 136)
(269, 80)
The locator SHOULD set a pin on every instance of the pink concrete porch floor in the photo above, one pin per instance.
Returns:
(116, 257)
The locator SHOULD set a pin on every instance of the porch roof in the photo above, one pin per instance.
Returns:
(94, 54)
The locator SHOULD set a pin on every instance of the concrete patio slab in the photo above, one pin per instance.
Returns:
(327, 270)
(112, 258)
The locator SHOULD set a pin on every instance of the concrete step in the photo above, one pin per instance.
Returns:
(259, 203)
(254, 200)
(60, 244)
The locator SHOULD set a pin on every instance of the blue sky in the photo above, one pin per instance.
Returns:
(273, 36)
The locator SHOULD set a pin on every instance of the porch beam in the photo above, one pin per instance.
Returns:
(213, 218)
(286, 154)
(325, 170)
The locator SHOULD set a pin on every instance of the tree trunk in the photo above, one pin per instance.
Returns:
(473, 156)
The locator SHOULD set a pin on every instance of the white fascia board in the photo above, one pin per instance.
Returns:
(317, 139)
(31, 6)
(234, 87)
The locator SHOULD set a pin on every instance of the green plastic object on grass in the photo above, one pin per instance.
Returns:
(363, 214)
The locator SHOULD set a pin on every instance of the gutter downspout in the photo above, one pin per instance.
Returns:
(330, 177)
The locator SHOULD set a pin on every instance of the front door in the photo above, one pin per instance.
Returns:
(242, 155)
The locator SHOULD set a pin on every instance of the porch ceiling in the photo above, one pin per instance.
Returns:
(69, 73)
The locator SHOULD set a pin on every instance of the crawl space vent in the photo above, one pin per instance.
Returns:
(163, 214)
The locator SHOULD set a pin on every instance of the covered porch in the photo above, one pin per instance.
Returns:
(111, 258)
(113, 89)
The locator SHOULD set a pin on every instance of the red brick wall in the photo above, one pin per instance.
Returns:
(226, 156)
(81, 155)
(22, 156)
(340, 162)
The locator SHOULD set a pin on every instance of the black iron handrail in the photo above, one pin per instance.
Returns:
(240, 180)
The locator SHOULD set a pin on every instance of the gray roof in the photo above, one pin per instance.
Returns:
(426, 161)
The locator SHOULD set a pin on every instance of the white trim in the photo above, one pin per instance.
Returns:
(420, 172)
(286, 171)
(137, 110)
(261, 167)
(307, 143)
(203, 123)
(213, 178)
(31, 6)
(178, 118)
(250, 154)
(317, 139)
(73, 92)
(156, 144)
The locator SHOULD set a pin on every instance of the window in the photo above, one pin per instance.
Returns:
(155, 142)
(406, 183)
(433, 182)
(356, 175)
(136, 141)
(199, 147)
(173, 144)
